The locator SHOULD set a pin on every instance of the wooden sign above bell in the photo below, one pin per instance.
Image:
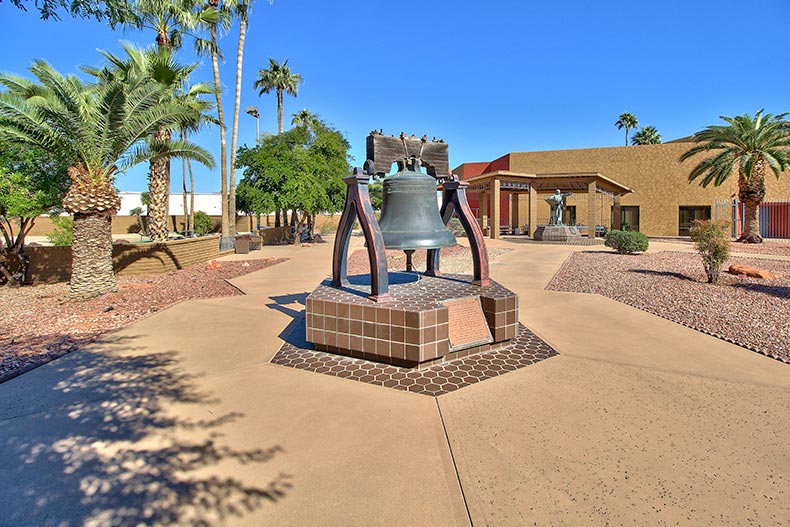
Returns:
(384, 150)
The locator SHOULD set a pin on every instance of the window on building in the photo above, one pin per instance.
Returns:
(629, 217)
(690, 213)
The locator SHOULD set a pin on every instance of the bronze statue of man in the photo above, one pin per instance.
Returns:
(557, 203)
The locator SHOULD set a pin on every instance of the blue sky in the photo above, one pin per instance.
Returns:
(488, 77)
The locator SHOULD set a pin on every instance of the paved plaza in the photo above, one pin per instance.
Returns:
(183, 419)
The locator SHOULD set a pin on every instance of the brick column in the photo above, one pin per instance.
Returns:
(495, 185)
(533, 210)
(513, 212)
(591, 199)
(483, 211)
(616, 223)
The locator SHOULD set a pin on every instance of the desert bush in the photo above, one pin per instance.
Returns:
(202, 223)
(626, 242)
(712, 241)
(62, 235)
(329, 227)
(456, 228)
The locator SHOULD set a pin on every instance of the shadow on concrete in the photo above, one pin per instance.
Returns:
(359, 284)
(294, 332)
(104, 450)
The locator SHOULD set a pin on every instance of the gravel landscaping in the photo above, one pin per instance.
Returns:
(769, 246)
(750, 312)
(39, 323)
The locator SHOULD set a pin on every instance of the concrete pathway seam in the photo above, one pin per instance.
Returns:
(455, 466)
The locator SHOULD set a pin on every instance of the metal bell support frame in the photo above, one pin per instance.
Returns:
(413, 221)
(358, 206)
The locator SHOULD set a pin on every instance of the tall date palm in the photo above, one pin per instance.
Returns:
(191, 95)
(98, 129)
(158, 65)
(752, 145)
(170, 20)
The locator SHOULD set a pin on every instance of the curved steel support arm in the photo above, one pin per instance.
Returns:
(358, 206)
(454, 202)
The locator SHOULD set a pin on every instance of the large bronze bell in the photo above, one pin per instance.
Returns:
(410, 217)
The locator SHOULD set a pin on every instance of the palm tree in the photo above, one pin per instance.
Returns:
(241, 9)
(280, 79)
(217, 18)
(305, 118)
(98, 129)
(191, 95)
(751, 145)
(648, 135)
(160, 66)
(168, 19)
(627, 121)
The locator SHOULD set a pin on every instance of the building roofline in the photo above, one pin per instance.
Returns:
(499, 174)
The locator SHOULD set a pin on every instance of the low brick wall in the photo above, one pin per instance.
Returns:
(53, 264)
(149, 258)
(274, 235)
(48, 264)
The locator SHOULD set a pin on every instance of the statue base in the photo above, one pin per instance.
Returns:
(556, 233)
(426, 320)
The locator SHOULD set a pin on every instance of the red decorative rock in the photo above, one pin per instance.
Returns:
(751, 271)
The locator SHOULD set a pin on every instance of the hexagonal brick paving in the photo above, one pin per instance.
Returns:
(525, 349)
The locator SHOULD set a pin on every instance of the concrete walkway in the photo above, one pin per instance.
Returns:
(180, 419)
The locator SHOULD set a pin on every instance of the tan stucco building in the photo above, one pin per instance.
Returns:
(647, 184)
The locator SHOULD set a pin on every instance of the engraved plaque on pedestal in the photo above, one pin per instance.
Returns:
(468, 326)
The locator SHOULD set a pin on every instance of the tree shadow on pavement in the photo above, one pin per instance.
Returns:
(93, 441)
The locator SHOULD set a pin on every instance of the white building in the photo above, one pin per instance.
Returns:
(209, 202)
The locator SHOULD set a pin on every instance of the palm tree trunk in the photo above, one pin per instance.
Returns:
(191, 196)
(235, 133)
(751, 215)
(752, 192)
(279, 110)
(626, 136)
(91, 256)
(184, 184)
(223, 152)
(159, 189)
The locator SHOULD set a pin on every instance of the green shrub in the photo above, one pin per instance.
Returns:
(712, 240)
(64, 227)
(329, 227)
(626, 242)
(456, 228)
(202, 223)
